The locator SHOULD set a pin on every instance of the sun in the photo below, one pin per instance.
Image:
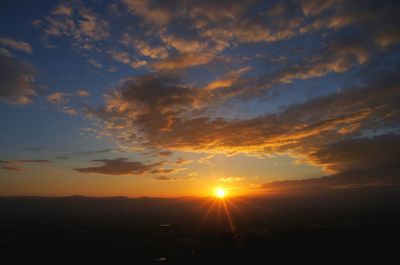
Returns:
(220, 192)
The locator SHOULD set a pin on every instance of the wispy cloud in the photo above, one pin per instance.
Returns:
(15, 44)
(119, 166)
(16, 165)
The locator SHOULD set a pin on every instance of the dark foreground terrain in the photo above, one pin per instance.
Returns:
(337, 228)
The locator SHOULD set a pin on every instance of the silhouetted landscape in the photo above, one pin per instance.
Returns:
(331, 228)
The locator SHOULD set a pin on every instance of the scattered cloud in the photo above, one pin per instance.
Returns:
(337, 57)
(62, 100)
(84, 32)
(192, 60)
(126, 58)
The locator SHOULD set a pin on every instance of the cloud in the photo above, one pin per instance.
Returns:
(126, 58)
(144, 48)
(165, 153)
(376, 179)
(95, 63)
(69, 110)
(84, 153)
(230, 179)
(177, 35)
(357, 180)
(62, 10)
(82, 93)
(164, 178)
(164, 171)
(315, 7)
(17, 45)
(62, 99)
(151, 14)
(4, 52)
(58, 97)
(184, 45)
(15, 165)
(313, 131)
(62, 157)
(181, 161)
(338, 56)
(91, 26)
(184, 61)
(211, 28)
(227, 81)
(18, 81)
(92, 152)
(348, 155)
(153, 101)
(119, 166)
(374, 18)
(76, 21)
(37, 148)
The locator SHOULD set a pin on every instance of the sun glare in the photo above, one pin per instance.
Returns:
(220, 193)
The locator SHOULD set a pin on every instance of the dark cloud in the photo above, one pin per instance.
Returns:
(93, 152)
(165, 153)
(84, 153)
(17, 81)
(15, 165)
(378, 180)
(379, 152)
(62, 157)
(164, 178)
(153, 103)
(376, 18)
(119, 166)
(36, 148)
(163, 171)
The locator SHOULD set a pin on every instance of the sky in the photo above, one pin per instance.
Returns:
(174, 98)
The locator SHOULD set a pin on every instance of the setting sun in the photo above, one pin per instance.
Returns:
(220, 193)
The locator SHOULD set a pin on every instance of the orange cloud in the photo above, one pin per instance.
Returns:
(300, 130)
(57, 97)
